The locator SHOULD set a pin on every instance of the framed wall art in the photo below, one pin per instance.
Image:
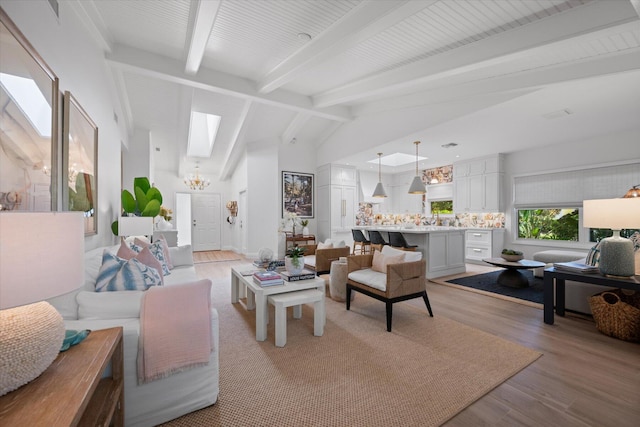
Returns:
(29, 125)
(80, 163)
(297, 194)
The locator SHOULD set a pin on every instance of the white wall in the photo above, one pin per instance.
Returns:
(137, 159)
(600, 150)
(263, 210)
(299, 157)
(81, 69)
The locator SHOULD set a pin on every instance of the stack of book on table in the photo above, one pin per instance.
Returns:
(575, 267)
(267, 278)
(304, 275)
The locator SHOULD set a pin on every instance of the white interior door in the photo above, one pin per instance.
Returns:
(206, 215)
(242, 221)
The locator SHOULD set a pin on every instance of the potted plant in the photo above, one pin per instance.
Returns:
(146, 202)
(305, 230)
(294, 261)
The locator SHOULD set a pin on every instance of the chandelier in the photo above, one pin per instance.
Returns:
(195, 182)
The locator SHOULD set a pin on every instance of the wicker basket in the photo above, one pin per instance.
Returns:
(617, 313)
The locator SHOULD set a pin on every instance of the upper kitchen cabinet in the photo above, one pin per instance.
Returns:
(337, 175)
(478, 185)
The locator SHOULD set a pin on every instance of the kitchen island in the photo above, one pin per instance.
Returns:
(442, 248)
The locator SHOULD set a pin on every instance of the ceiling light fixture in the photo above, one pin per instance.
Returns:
(449, 145)
(304, 37)
(633, 192)
(417, 186)
(379, 191)
(195, 182)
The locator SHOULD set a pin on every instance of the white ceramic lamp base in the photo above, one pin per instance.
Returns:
(30, 340)
(617, 257)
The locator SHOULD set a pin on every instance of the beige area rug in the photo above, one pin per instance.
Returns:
(421, 374)
(214, 256)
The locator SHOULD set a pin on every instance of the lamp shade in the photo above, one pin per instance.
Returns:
(417, 186)
(41, 255)
(135, 226)
(615, 214)
(379, 191)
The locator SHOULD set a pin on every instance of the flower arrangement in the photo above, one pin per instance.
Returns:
(166, 213)
(293, 218)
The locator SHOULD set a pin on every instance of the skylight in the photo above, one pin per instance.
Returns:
(202, 134)
(25, 94)
(397, 159)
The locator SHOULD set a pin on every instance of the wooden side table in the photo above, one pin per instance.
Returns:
(300, 238)
(338, 281)
(71, 391)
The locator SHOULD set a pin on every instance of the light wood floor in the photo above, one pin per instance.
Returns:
(584, 378)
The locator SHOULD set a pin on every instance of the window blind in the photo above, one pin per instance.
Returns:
(570, 188)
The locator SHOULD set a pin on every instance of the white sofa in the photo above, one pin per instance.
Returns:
(157, 401)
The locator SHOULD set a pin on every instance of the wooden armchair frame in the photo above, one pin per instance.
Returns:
(405, 281)
(324, 257)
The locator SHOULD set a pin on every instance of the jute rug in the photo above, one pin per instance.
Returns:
(214, 256)
(357, 374)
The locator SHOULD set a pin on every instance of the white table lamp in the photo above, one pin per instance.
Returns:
(41, 256)
(616, 253)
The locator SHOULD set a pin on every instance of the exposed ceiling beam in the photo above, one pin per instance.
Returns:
(362, 22)
(163, 68)
(507, 45)
(93, 22)
(449, 91)
(186, 101)
(294, 127)
(237, 143)
(205, 12)
(636, 6)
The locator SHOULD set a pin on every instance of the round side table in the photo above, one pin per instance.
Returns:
(338, 281)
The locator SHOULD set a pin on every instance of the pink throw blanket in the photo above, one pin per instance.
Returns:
(175, 329)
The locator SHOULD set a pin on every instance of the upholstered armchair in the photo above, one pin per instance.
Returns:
(319, 260)
(404, 278)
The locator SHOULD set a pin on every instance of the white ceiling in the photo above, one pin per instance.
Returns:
(376, 75)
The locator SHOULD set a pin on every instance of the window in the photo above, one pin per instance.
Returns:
(549, 224)
(442, 207)
(597, 234)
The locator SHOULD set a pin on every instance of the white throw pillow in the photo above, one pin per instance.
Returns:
(181, 255)
(409, 256)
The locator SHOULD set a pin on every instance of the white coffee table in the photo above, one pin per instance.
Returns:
(257, 295)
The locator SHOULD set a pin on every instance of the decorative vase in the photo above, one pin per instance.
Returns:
(282, 244)
(294, 266)
(305, 231)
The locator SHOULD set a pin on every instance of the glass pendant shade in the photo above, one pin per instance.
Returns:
(633, 192)
(379, 190)
(417, 186)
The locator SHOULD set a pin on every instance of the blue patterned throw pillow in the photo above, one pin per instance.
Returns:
(117, 274)
(157, 250)
(593, 257)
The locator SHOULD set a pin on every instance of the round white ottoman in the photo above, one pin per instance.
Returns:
(549, 257)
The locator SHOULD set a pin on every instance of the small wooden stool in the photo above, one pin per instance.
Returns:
(295, 299)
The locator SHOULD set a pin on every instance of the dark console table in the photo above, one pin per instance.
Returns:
(551, 274)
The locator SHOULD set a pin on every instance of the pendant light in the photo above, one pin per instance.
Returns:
(417, 186)
(379, 191)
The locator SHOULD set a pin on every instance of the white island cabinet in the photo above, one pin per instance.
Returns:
(443, 248)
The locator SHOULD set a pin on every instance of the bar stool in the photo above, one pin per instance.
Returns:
(397, 240)
(360, 241)
(377, 241)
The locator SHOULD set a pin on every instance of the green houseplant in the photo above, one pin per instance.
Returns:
(146, 202)
(294, 261)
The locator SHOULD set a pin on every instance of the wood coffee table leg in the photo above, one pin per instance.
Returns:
(513, 278)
